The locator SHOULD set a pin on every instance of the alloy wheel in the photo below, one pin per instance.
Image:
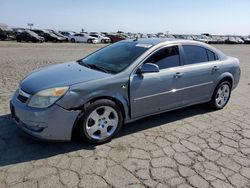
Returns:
(102, 122)
(222, 95)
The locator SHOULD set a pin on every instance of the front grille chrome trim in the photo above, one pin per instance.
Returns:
(24, 94)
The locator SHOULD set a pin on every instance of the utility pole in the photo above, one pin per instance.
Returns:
(30, 25)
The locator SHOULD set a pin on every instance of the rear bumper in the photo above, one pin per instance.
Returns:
(236, 78)
(53, 123)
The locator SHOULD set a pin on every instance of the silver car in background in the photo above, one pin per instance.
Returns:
(121, 83)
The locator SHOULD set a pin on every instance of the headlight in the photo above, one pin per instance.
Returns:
(47, 97)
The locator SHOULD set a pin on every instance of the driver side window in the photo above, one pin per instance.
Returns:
(166, 58)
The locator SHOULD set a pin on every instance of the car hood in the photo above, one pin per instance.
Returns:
(65, 74)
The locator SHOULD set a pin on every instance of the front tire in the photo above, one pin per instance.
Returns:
(89, 41)
(73, 40)
(221, 95)
(101, 122)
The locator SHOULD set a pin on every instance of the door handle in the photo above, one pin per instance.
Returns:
(178, 75)
(215, 68)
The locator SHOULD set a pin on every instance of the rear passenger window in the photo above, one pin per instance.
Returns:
(211, 56)
(195, 54)
(166, 58)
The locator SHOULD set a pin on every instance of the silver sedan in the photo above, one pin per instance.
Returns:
(121, 83)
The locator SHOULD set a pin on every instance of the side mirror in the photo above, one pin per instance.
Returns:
(148, 68)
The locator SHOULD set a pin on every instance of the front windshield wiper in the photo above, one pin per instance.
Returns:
(81, 62)
(93, 66)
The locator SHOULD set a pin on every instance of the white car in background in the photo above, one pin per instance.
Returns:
(82, 37)
(67, 34)
(101, 38)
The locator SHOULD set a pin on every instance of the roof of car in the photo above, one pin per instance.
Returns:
(155, 41)
(163, 41)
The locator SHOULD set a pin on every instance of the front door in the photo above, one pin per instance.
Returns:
(154, 92)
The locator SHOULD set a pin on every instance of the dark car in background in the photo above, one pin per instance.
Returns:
(6, 32)
(219, 39)
(239, 40)
(28, 36)
(7, 35)
(3, 35)
(57, 34)
(48, 36)
(246, 39)
(231, 40)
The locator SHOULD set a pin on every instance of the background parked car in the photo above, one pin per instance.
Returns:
(116, 37)
(47, 35)
(101, 38)
(231, 40)
(219, 39)
(212, 40)
(6, 32)
(67, 34)
(82, 37)
(3, 35)
(201, 38)
(29, 36)
(57, 34)
(246, 39)
(239, 40)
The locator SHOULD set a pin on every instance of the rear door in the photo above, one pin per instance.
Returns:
(200, 70)
(78, 38)
(83, 38)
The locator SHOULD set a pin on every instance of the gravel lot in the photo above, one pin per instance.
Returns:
(192, 147)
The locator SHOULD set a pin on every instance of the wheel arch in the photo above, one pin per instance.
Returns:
(225, 77)
(83, 108)
(113, 99)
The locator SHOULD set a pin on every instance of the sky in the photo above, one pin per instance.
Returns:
(146, 16)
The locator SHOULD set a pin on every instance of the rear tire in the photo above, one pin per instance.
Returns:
(73, 40)
(102, 121)
(221, 95)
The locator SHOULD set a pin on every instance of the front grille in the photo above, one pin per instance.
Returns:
(23, 99)
(23, 96)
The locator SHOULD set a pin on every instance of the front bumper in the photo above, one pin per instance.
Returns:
(53, 123)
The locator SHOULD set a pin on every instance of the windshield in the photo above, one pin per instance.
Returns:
(56, 33)
(116, 57)
(52, 34)
(32, 33)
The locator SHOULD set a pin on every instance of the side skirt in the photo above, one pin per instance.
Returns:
(164, 111)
